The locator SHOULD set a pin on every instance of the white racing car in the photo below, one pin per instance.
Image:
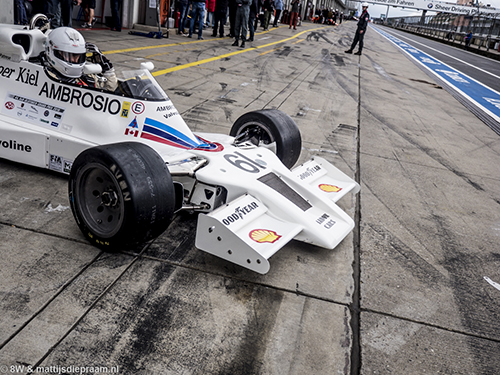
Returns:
(133, 162)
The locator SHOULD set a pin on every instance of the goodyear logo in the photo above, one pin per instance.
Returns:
(264, 236)
(309, 172)
(329, 188)
(240, 212)
(125, 109)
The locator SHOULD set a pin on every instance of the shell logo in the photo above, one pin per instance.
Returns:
(264, 236)
(329, 188)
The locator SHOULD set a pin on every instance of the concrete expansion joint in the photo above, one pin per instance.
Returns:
(430, 325)
(50, 300)
(42, 232)
(355, 306)
(297, 291)
(94, 303)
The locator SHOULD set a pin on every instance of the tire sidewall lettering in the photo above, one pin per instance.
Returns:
(124, 190)
(147, 204)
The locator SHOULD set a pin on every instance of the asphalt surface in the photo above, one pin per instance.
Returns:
(411, 291)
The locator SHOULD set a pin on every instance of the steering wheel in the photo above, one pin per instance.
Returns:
(149, 91)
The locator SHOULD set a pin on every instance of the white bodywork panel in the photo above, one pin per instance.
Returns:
(277, 208)
(330, 181)
(252, 204)
(244, 232)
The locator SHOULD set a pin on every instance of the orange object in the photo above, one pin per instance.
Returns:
(329, 188)
(264, 235)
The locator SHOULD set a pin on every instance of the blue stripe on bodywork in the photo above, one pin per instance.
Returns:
(164, 131)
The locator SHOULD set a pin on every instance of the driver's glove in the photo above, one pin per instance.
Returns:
(98, 57)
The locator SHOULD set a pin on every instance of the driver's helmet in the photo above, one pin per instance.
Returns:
(364, 5)
(66, 52)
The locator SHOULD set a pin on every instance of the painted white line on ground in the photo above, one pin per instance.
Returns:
(492, 283)
(453, 57)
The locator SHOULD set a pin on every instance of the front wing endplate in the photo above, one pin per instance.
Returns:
(242, 232)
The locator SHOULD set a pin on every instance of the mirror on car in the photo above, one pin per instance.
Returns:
(89, 68)
(147, 65)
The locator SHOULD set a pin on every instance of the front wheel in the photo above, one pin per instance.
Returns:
(272, 129)
(121, 195)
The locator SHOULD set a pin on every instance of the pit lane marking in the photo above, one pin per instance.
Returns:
(211, 59)
(220, 57)
(450, 56)
(482, 97)
(492, 283)
(133, 49)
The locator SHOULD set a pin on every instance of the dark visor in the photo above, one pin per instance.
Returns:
(72, 58)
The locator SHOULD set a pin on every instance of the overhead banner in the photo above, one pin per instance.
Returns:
(439, 6)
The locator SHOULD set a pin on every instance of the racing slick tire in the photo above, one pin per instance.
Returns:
(121, 195)
(272, 129)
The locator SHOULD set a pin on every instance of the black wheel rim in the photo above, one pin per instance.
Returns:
(258, 135)
(100, 200)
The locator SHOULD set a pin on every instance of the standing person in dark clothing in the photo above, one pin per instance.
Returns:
(53, 7)
(361, 30)
(242, 15)
(67, 11)
(20, 17)
(468, 39)
(198, 9)
(295, 13)
(50, 9)
(278, 5)
(268, 8)
(116, 5)
(324, 15)
(232, 17)
(183, 8)
(220, 15)
(254, 9)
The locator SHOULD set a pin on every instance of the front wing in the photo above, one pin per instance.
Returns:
(248, 230)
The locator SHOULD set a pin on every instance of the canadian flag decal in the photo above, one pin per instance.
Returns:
(132, 128)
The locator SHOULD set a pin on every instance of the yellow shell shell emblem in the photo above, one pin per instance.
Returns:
(330, 188)
(264, 235)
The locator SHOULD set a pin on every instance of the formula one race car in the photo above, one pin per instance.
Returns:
(133, 162)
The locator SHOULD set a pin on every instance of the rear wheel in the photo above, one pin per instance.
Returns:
(272, 129)
(121, 195)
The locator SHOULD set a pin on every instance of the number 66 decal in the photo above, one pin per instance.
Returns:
(244, 163)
